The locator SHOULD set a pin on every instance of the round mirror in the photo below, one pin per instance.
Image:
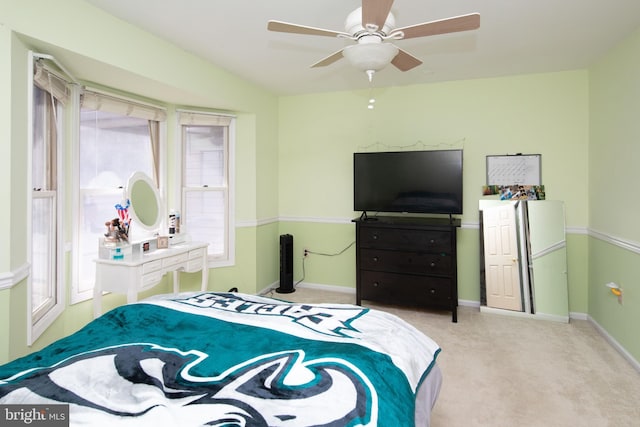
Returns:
(145, 201)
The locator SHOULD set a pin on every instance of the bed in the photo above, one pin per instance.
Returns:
(232, 359)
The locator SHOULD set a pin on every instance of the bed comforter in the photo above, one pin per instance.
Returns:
(229, 359)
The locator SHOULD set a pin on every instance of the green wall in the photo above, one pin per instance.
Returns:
(614, 156)
(328, 239)
(5, 135)
(577, 260)
(543, 114)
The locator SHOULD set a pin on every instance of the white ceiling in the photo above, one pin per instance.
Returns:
(515, 37)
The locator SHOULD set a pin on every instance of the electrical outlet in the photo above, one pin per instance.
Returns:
(305, 253)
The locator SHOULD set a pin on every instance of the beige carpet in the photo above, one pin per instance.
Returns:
(507, 371)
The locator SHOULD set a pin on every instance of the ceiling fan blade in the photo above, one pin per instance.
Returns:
(285, 27)
(375, 12)
(404, 61)
(442, 26)
(328, 60)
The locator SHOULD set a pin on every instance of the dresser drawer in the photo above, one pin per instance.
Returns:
(406, 288)
(405, 262)
(407, 239)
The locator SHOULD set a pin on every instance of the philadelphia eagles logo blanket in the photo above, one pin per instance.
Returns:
(222, 359)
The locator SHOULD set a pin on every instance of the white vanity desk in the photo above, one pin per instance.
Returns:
(144, 272)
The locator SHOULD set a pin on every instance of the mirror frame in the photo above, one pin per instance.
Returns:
(138, 178)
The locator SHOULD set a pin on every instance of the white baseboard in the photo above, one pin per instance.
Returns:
(319, 286)
(539, 316)
(522, 314)
(615, 344)
(331, 288)
(572, 315)
(469, 303)
(578, 316)
(268, 288)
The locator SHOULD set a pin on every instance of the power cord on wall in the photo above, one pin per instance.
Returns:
(308, 252)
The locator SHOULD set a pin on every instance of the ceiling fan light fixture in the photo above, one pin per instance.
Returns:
(370, 57)
(371, 26)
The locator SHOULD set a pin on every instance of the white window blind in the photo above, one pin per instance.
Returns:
(91, 100)
(200, 119)
(49, 81)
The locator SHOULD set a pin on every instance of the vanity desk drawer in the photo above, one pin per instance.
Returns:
(197, 253)
(151, 266)
(151, 279)
(175, 260)
(130, 276)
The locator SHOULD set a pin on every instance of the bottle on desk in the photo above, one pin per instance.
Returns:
(174, 222)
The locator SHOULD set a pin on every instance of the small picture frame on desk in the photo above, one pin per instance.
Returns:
(163, 242)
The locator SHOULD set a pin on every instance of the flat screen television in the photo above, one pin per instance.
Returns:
(425, 182)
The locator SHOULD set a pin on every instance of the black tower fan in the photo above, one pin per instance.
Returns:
(286, 264)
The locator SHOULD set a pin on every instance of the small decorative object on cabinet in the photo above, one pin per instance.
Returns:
(163, 242)
(409, 261)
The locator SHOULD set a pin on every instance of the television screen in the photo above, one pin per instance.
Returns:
(408, 181)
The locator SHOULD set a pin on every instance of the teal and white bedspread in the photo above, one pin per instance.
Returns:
(229, 359)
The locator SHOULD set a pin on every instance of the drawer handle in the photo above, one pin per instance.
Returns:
(432, 241)
(375, 259)
(374, 237)
(432, 291)
(433, 264)
(375, 284)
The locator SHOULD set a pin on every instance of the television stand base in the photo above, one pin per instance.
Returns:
(365, 217)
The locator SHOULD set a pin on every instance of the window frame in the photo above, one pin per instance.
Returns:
(228, 258)
(77, 294)
(38, 322)
(39, 313)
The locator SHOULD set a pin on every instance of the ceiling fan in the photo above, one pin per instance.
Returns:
(372, 26)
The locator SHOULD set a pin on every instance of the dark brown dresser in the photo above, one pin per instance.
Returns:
(407, 261)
